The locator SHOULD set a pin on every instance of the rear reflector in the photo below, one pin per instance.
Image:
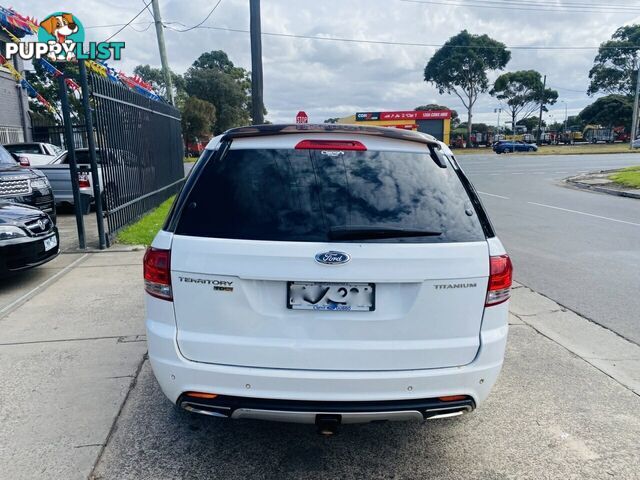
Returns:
(500, 277)
(330, 145)
(157, 273)
(452, 398)
(201, 395)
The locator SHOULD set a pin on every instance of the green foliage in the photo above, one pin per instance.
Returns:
(615, 67)
(144, 230)
(460, 67)
(523, 92)
(455, 118)
(612, 110)
(198, 119)
(332, 120)
(155, 77)
(214, 78)
(531, 123)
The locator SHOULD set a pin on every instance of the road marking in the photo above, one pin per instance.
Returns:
(517, 173)
(493, 195)
(42, 286)
(584, 213)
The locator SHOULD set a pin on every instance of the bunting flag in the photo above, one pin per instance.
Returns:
(13, 38)
(51, 70)
(9, 66)
(18, 24)
(96, 68)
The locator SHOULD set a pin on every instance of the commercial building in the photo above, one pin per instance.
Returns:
(433, 122)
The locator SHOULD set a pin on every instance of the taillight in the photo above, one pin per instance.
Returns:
(24, 162)
(157, 273)
(330, 145)
(83, 180)
(500, 276)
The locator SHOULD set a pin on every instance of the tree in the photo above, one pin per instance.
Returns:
(615, 68)
(460, 67)
(156, 78)
(610, 111)
(214, 78)
(332, 120)
(523, 92)
(531, 123)
(198, 119)
(455, 118)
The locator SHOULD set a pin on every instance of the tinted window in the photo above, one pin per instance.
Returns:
(298, 195)
(82, 157)
(24, 148)
(6, 158)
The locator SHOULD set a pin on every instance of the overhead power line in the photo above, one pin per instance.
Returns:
(531, 6)
(130, 21)
(199, 24)
(375, 42)
(413, 44)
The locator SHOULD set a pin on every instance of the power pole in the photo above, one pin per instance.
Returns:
(257, 103)
(544, 86)
(163, 51)
(634, 124)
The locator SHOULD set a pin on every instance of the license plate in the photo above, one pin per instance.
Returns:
(338, 297)
(49, 243)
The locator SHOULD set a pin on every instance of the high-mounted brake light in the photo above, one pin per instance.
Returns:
(330, 145)
(500, 278)
(157, 273)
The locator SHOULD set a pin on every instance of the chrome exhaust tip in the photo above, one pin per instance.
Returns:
(203, 409)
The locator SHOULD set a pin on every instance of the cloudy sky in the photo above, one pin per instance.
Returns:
(334, 78)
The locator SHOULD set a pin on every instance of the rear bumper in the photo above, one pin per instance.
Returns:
(177, 375)
(309, 412)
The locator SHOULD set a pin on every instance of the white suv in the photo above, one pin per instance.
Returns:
(327, 274)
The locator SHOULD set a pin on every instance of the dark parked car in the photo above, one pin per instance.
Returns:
(28, 238)
(25, 185)
(506, 147)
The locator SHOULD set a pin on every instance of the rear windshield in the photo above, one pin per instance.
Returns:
(302, 195)
(24, 148)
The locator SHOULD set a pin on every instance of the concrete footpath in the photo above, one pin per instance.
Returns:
(78, 400)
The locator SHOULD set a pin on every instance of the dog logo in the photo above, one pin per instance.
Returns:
(65, 29)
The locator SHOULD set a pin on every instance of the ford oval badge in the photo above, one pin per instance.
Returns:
(333, 258)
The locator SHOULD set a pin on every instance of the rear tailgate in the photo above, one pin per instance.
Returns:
(230, 300)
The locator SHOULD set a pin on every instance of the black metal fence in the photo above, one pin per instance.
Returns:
(55, 134)
(140, 152)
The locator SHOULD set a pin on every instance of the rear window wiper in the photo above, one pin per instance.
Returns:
(364, 232)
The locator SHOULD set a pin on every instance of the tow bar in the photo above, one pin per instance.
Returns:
(328, 424)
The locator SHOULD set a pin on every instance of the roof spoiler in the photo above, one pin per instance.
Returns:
(437, 154)
(298, 128)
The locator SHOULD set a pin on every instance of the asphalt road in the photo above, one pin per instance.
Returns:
(578, 248)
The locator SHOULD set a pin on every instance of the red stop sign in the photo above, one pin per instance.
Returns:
(302, 117)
